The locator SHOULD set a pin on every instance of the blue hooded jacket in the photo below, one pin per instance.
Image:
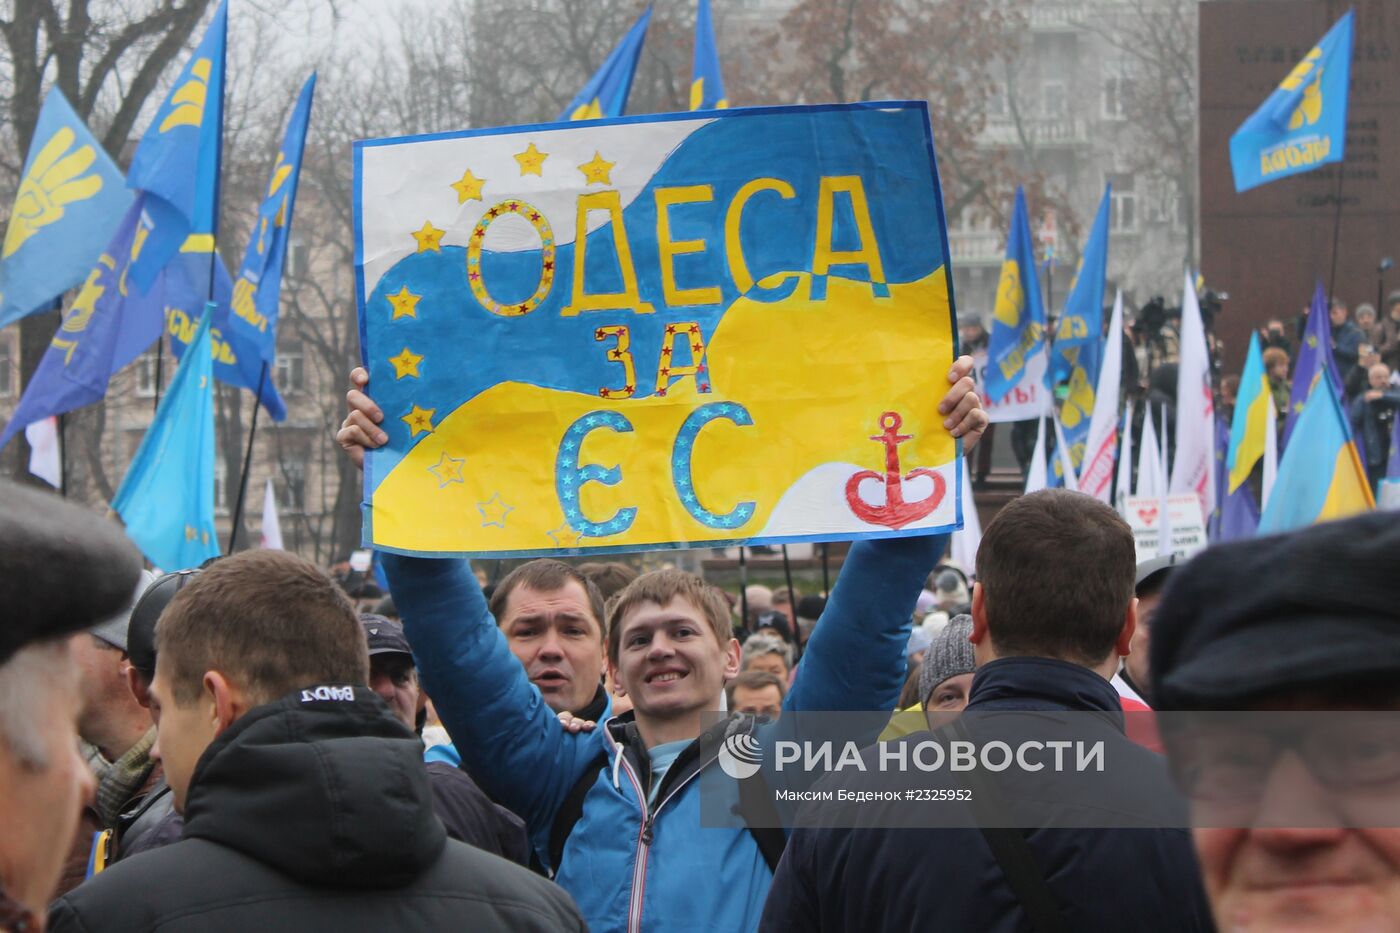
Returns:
(628, 865)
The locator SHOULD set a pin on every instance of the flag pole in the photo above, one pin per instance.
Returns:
(792, 594)
(826, 575)
(62, 455)
(247, 461)
(1336, 237)
(160, 359)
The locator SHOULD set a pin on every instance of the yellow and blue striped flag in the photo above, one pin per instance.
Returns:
(1320, 476)
(706, 83)
(1251, 419)
(167, 496)
(605, 94)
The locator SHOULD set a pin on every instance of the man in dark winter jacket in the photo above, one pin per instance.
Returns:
(306, 804)
(466, 812)
(1053, 612)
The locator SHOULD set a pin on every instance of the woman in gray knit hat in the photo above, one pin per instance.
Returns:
(946, 677)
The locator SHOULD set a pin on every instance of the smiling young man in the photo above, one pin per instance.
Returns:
(1296, 815)
(615, 812)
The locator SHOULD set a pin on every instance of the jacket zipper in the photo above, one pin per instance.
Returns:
(645, 835)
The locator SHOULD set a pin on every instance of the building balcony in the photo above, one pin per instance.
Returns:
(1039, 132)
(1057, 17)
(975, 248)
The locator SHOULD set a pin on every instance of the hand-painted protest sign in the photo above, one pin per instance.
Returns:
(657, 331)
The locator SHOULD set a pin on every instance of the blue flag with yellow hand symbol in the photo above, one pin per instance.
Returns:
(167, 496)
(71, 199)
(245, 322)
(1077, 350)
(605, 94)
(1018, 325)
(177, 161)
(706, 84)
(108, 325)
(1303, 123)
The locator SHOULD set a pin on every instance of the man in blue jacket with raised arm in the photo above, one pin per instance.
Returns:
(615, 812)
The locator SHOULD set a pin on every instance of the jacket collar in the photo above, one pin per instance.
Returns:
(1041, 684)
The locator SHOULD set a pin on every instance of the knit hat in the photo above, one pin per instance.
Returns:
(949, 655)
(61, 568)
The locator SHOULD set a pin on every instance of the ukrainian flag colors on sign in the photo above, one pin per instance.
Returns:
(657, 331)
(1303, 123)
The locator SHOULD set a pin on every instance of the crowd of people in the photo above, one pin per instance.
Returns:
(243, 747)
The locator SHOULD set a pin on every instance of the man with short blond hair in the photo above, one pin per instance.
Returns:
(306, 802)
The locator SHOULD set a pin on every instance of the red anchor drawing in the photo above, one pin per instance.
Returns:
(895, 513)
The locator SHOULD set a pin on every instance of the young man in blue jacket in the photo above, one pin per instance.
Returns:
(615, 812)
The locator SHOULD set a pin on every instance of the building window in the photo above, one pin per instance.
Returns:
(7, 369)
(292, 495)
(997, 106)
(1054, 100)
(1122, 215)
(291, 368)
(1117, 93)
(298, 258)
(146, 375)
(220, 486)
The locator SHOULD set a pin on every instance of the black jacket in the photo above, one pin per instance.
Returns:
(859, 879)
(314, 813)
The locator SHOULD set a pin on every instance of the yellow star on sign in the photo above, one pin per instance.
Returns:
(468, 187)
(405, 303)
(420, 420)
(429, 238)
(564, 536)
(597, 170)
(448, 470)
(531, 161)
(406, 364)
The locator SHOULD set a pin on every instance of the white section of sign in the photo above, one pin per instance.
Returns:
(1185, 524)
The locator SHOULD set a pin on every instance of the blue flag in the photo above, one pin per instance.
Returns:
(1314, 358)
(71, 198)
(605, 94)
(1303, 124)
(177, 161)
(184, 287)
(1018, 325)
(245, 322)
(706, 84)
(1078, 348)
(107, 326)
(167, 497)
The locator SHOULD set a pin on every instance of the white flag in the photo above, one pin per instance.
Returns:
(1164, 542)
(271, 527)
(1037, 475)
(1096, 478)
(45, 461)
(1062, 453)
(1149, 477)
(1125, 458)
(1270, 454)
(965, 542)
(1193, 468)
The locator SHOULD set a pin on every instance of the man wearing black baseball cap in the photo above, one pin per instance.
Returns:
(1308, 621)
(61, 570)
(466, 812)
